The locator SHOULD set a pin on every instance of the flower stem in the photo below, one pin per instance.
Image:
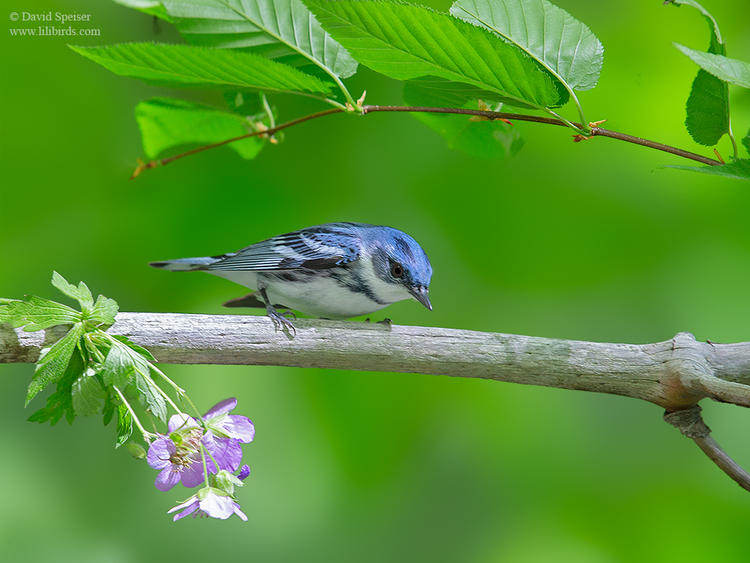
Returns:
(205, 466)
(147, 436)
(160, 391)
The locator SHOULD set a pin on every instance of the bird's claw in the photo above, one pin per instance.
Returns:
(282, 323)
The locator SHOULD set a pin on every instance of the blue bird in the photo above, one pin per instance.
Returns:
(334, 271)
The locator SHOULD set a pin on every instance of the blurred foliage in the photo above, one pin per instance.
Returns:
(589, 240)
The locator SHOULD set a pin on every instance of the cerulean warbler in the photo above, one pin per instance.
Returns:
(334, 271)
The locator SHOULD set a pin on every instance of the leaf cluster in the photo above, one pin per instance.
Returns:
(536, 60)
(528, 54)
(707, 107)
(89, 367)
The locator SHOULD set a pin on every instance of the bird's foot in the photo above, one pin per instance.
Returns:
(281, 321)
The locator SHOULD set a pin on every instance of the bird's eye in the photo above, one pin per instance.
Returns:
(397, 270)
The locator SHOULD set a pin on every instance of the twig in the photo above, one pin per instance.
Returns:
(594, 131)
(690, 423)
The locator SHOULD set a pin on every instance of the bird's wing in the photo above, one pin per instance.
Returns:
(314, 248)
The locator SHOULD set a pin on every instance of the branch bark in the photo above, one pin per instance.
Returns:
(675, 374)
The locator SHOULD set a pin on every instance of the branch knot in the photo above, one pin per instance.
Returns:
(689, 422)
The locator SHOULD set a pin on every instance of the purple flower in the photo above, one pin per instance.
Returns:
(178, 456)
(225, 425)
(209, 501)
(244, 472)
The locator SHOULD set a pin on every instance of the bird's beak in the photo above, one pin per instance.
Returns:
(420, 294)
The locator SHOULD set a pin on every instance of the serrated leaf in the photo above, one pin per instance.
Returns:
(168, 123)
(60, 403)
(739, 169)
(404, 42)
(139, 349)
(481, 138)
(120, 366)
(733, 71)
(124, 425)
(561, 43)
(707, 106)
(108, 410)
(152, 399)
(707, 109)
(36, 313)
(185, 65)
(104, 312)
(80, 293)
(283, 29)
(88, 395)
(716, 39)
(150, 7)
(53, 364)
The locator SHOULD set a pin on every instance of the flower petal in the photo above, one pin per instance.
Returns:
(239, 427)
(192, 475)
(181, 421)
(220, 408)
(244, 472)
(217, 506)
(159, 453)
(239, 513)
(167, 478)
(189, 510)
(189, 501)
(226, 451)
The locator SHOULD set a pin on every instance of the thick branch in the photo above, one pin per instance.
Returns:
(674, 374)
(594, 131)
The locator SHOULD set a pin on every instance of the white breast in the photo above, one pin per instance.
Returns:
(321, 297)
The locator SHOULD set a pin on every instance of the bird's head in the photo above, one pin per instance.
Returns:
(401, 266)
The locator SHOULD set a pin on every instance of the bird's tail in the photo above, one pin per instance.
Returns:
(185, 264)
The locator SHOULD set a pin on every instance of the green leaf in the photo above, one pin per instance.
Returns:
(109, 408)
(730, 70)
(707, 109)
(36, 313)
(88, 395)
(54, 362)
(104, 312)
(746, 141)
(120, 365)
(561, 43)
(184, 65)
(431, 91)
(150, 7)
(274, 28)
(739, 169)
(404, 42)
(152, 399)
(139, 349)
(481, 138)
(168, 123)
(82, 293)
(708, 104)
(124, 425)
(60, 402)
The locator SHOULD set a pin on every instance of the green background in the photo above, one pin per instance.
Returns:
(588, 241)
